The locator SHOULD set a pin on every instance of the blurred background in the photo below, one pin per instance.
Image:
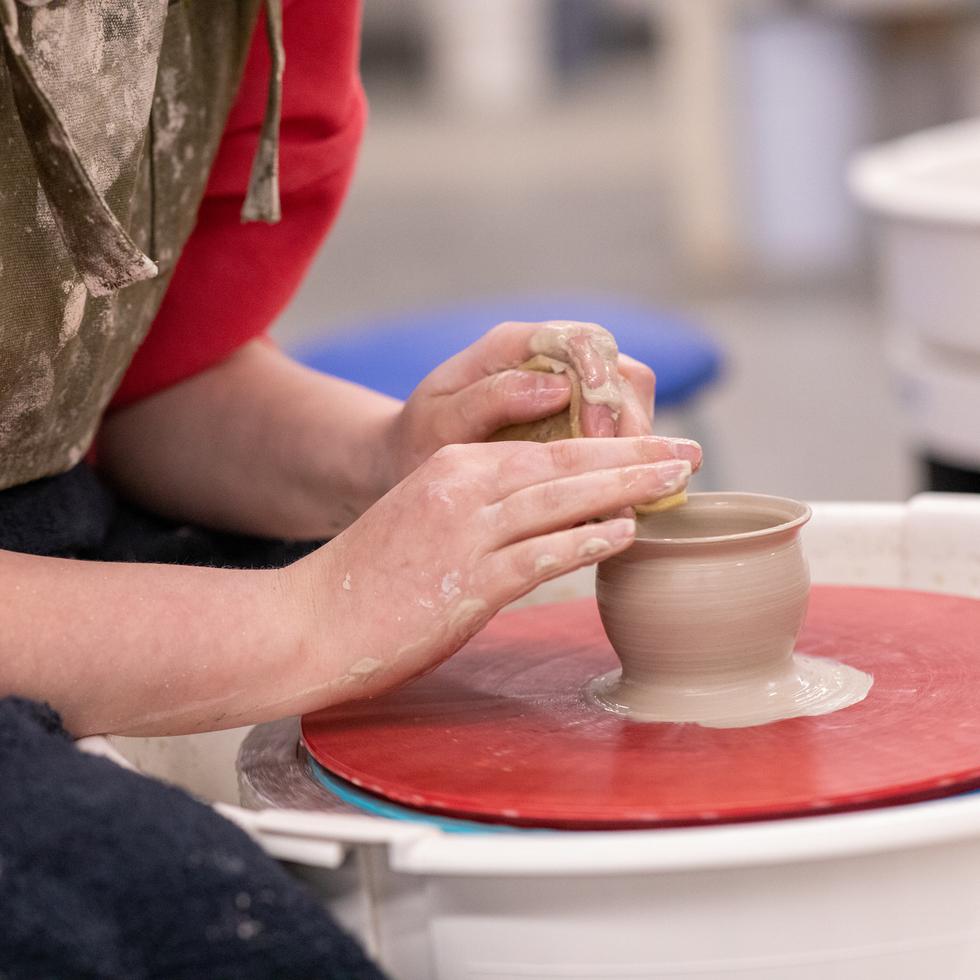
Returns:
(690, 156)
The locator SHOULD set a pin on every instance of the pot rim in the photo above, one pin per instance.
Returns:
(736, 496)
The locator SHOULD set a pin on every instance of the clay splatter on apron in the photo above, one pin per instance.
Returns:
(97, 62)
(110, 114)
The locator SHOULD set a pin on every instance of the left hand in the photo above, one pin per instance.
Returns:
(479, 390)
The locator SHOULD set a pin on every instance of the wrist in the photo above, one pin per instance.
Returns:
(389, 441)
(317, 600)
(336, 464)
(293, 599)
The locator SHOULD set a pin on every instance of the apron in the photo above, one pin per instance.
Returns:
(111, 112)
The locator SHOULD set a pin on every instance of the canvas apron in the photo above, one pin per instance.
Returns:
(111, 112)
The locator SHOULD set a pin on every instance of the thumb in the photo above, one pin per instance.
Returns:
(475, 412)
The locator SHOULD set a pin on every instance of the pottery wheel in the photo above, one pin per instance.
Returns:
(502, 732)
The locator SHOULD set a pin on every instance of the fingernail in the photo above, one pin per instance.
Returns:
(621, 529)
(687, 449)
(674, 474)
(605, 426)
(658, 477)
(681, 448)
(549, 382)
(614, 533)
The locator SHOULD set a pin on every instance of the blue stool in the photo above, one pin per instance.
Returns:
(392, 354)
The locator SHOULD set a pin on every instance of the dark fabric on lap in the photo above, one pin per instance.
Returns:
(62, 515)
(104, 873)
(75, 515)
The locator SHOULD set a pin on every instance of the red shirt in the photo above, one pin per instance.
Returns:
(233, 279)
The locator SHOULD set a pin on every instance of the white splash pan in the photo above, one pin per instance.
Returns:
(889, 894)
(925, 190)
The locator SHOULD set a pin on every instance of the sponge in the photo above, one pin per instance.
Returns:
(665, 503)
(568, 425)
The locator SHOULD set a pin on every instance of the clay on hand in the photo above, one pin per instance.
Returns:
(470, 530)
(567, 424)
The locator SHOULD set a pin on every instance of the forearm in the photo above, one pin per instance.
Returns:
(157, 649)
(257, 445)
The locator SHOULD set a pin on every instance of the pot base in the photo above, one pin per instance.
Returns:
(803, 686)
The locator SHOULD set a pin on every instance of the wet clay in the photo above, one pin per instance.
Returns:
(556, 340)
(704, 610)
(553, 355)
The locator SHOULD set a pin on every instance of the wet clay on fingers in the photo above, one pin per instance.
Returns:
(704, 610)
(553, 353)
(588, 355)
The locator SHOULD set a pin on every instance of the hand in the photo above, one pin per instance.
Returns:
(473, 528)
(480, 390)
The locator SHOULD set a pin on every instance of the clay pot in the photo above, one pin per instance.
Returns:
(703, 611)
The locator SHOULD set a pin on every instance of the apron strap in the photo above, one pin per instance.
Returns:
(262, 199)
(103, 252)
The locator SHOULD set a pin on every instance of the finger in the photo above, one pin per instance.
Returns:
(523, 464)
(593, 355)
(517, 568)
(508, 345)
(633, 419)
(641, 379)
(598, 421)
(506, 398)
(570, 500)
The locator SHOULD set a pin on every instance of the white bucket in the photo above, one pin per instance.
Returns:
(926, 191)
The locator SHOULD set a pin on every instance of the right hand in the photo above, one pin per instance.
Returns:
(473, 528)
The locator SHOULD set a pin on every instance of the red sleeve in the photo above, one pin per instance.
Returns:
(233, 279)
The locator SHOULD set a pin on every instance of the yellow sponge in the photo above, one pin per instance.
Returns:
(665, 503)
